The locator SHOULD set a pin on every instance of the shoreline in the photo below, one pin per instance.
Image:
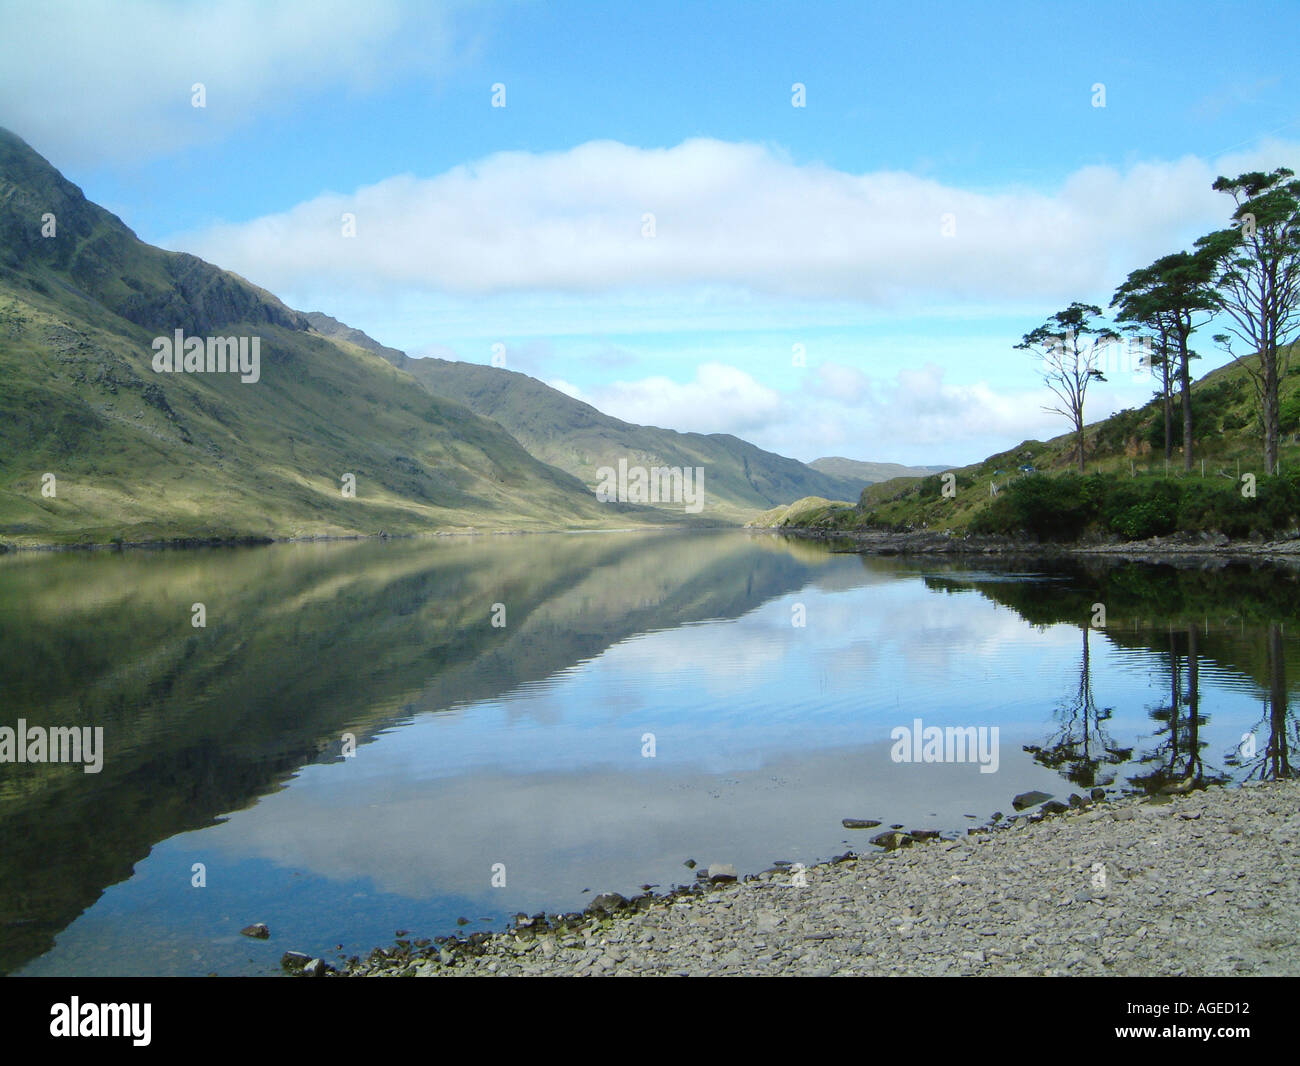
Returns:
(255, 541)
(863, 542)
(1199, 884)
(1156, 549)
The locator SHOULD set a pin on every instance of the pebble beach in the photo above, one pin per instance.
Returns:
(1201, 884)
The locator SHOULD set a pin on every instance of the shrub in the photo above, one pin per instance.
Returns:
(1137, 510)
(930, 487)
(1289, 413)
(1063, 508)
(1049, 508)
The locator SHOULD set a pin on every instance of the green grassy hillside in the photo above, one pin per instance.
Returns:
(740, 478)
(138, 455)
(1130, 491)
(799, 513)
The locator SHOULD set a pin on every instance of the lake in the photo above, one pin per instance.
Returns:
(371, 736)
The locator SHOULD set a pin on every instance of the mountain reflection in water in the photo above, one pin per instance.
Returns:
(525, 745)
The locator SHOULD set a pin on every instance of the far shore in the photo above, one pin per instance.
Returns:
(1157, 549)
(865, 542)
(254, 540)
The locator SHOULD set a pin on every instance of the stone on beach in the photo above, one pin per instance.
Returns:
(607, 903)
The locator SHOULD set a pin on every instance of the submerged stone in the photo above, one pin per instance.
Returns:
(1030, 799)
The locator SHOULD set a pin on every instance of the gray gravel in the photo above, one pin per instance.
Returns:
(1199, 884)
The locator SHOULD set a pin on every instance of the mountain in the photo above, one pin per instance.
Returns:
(740, 478)
(870, 473)
(336, 330)
(96, 445)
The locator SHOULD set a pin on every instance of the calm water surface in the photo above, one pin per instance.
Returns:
(526, 747)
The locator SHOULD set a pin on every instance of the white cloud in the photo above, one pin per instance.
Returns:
(733, 215)
(915, 415)
(566, 387)
(720, 399)
(835, 381)
(88, 80)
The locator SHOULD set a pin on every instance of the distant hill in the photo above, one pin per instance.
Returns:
(797, 513)
(739, 478)
(97, 446)
(871, 473)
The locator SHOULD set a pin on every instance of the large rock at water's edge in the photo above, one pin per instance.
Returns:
(1030, 799)
(893, 840)
(606, 903)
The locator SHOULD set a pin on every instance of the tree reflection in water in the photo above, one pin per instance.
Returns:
(1080, 745)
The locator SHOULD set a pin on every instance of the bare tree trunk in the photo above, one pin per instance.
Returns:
(1078, 430)
(1269, 408)
(1169, 410)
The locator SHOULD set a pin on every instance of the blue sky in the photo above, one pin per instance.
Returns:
(774, 225)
